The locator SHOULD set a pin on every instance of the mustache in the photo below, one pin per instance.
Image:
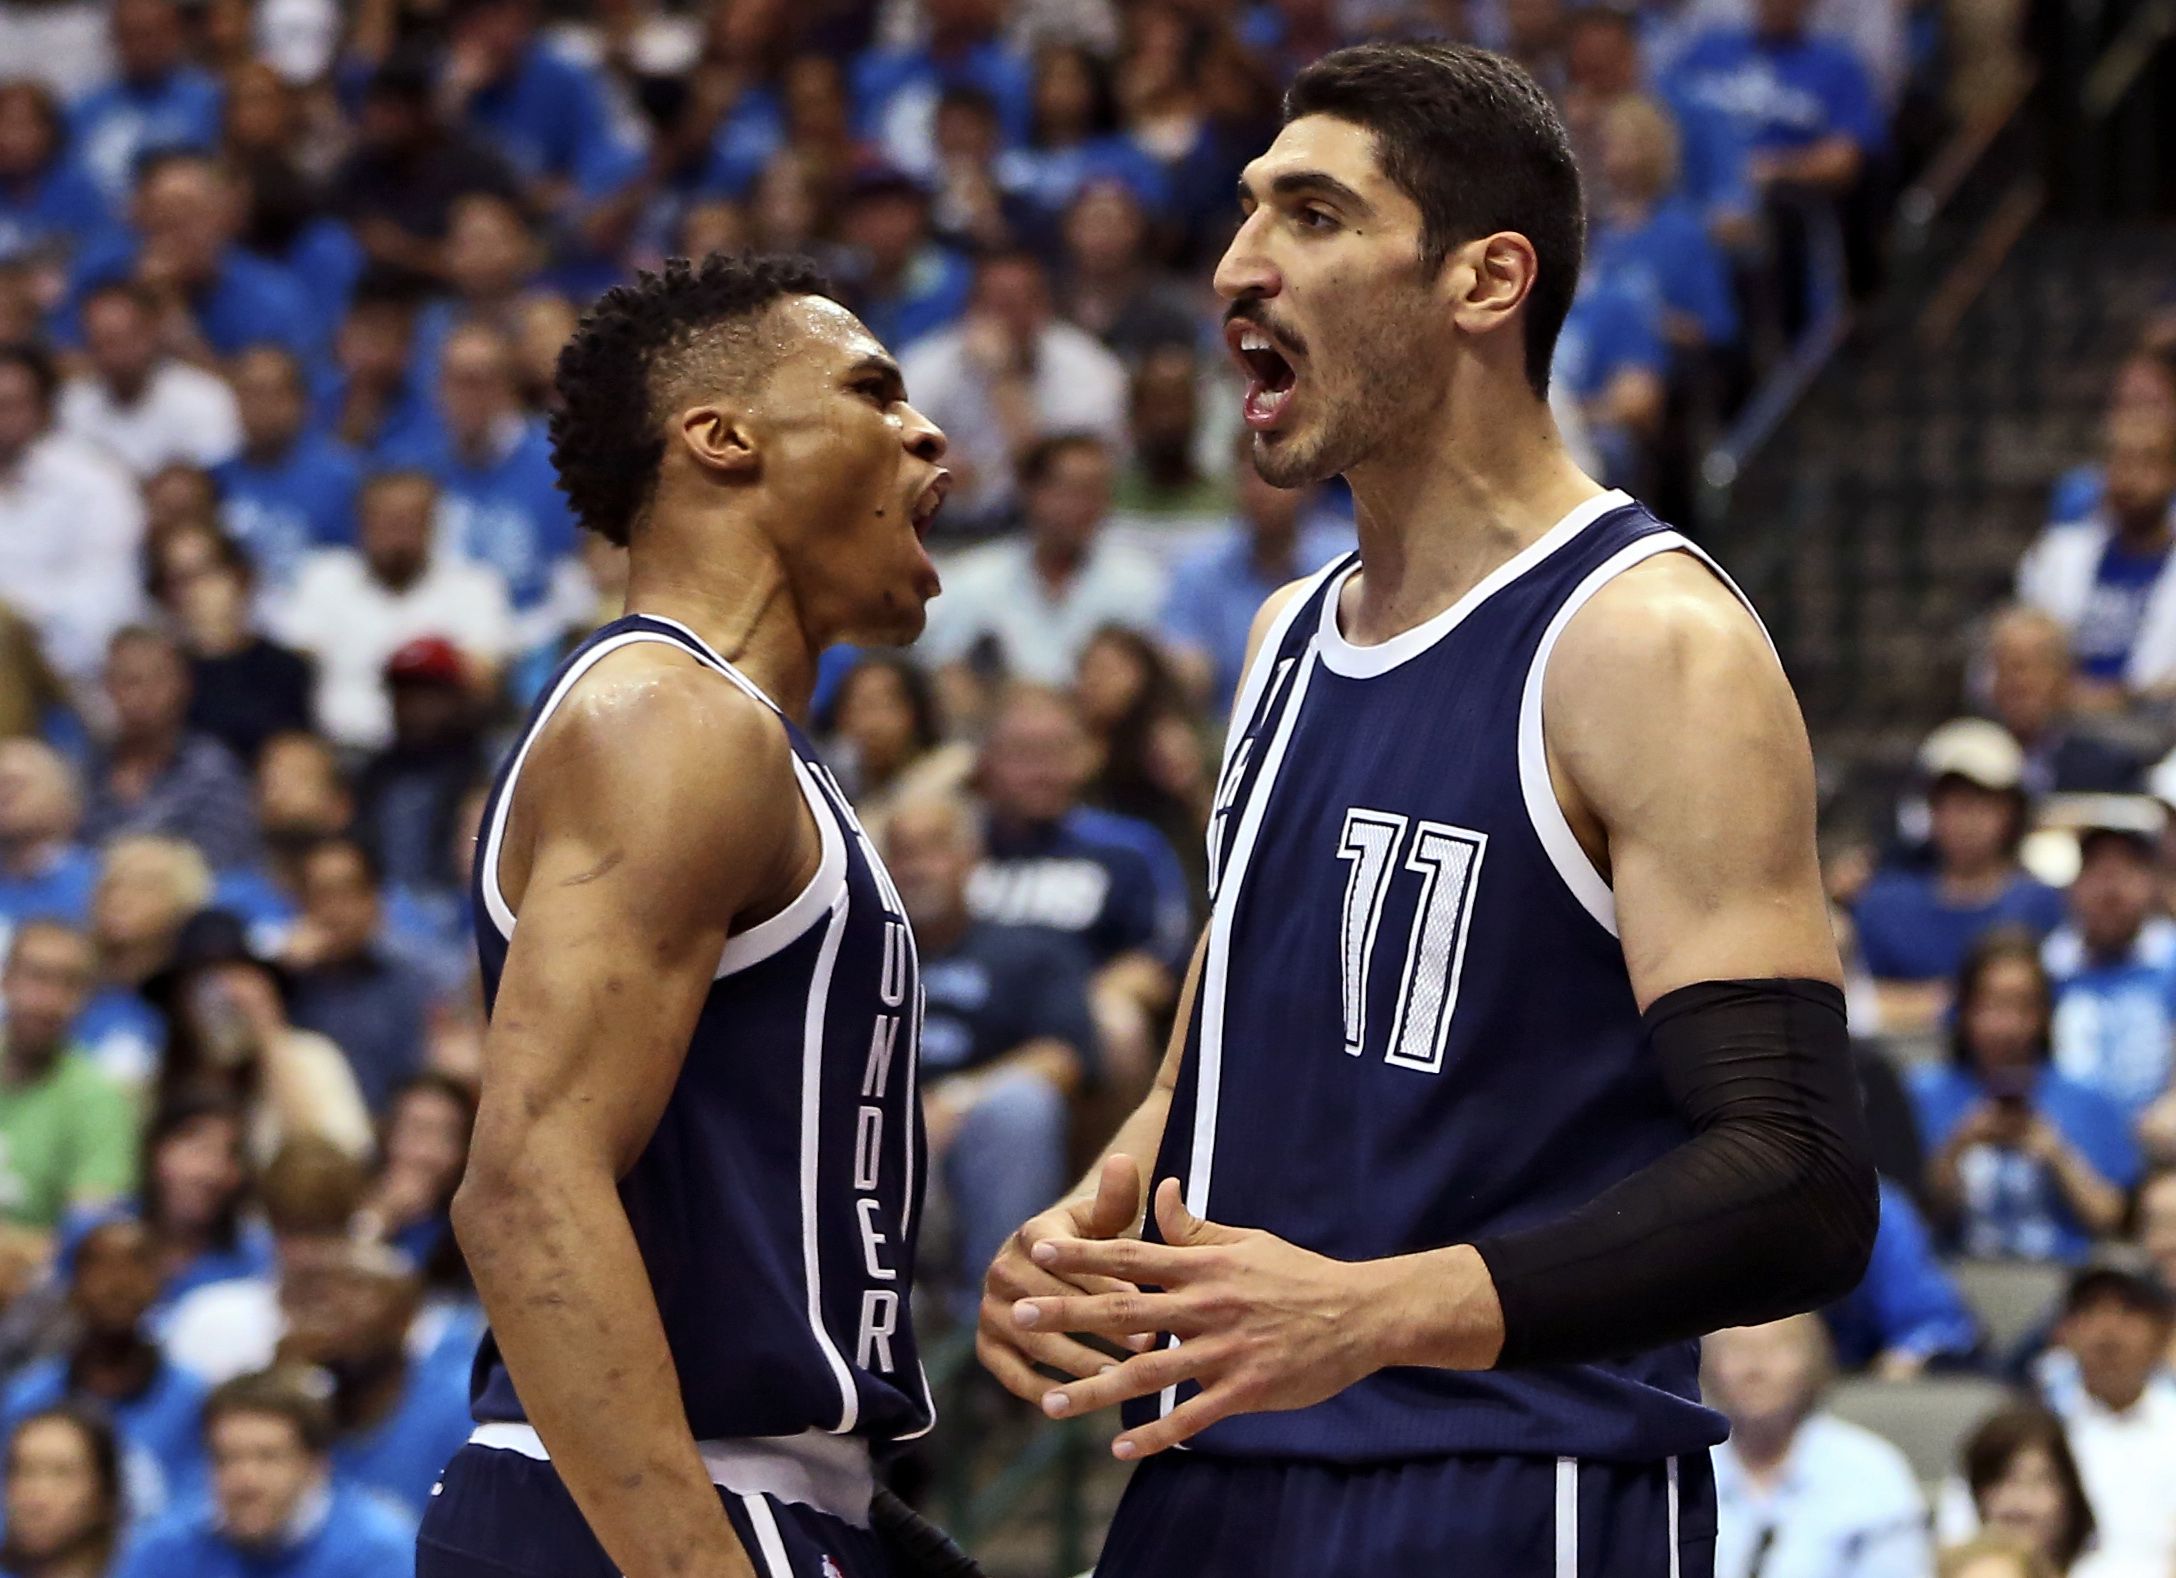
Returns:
(1251, 312)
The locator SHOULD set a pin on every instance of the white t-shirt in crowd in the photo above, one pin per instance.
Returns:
(71, 521)
(995, 592)
(185, 415)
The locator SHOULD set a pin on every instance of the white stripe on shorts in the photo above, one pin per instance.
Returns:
(1673, 1518)
(769, 1546)
(1567, 1517)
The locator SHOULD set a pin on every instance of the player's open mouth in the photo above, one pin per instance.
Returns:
(1270, 372)
(929, 502)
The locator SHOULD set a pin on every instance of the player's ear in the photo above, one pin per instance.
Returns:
(1489, 278)
(720, 437)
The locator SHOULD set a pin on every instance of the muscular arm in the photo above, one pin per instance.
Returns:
(658, 805)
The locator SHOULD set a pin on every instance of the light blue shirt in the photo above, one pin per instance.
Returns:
(2115, 1019)
(1845, 1506)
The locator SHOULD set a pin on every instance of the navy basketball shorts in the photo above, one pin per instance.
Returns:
(1189, 1515)
(500, 1514)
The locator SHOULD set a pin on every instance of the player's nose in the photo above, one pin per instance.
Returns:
(1244, 271)
(925, 440)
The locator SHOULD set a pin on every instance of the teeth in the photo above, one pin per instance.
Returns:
(1253, 340)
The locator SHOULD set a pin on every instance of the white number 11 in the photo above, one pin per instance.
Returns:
(1448, 861)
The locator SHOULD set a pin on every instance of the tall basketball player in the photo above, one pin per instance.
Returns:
(1513, 1057)
(690, 1209)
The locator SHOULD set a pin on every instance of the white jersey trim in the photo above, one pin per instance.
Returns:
(812, 1083)
(742, 949)
(1342, 658)
(1567, 1517)
(1256, 679)
(1543, 810)
(769, 1544)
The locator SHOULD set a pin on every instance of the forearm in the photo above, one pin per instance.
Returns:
(1046, 1057)
(568, 1299)
(2097, 1203)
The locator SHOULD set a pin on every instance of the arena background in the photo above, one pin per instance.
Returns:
(1880, 305)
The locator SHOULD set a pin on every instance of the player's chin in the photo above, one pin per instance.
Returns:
(900, 619)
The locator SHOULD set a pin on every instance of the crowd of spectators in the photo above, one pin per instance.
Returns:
(281, 561)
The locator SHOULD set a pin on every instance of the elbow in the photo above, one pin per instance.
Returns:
(483, 1207)
(1843, 1211)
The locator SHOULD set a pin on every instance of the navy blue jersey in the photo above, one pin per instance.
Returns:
(1109, 880)
(1000, 987)
(1415, 1026)
(776, 1205)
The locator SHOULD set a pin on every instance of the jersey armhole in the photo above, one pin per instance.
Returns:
(1253, 682)
(1543, 810)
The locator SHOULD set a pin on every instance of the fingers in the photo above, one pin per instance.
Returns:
(1143, 1376)
(1012, 1276)
(1011, 1356)
(1117, 1203)
(1130, 1260)
(1106, 1314)
(1190, 1418)
(1179, 1225)
(1009, 1366)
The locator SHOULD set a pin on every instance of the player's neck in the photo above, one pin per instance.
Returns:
(1451, 506)
(744, 609)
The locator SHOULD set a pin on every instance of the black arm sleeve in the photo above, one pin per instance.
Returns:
(1767, 1210)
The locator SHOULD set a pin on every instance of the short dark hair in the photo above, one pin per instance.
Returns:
(37, 361)
(914, 682)
(138, 295)
(283, 1394)
(1041, 457)
(1993, 1447)
(348, 844)
(1475, 142)
(606, 445)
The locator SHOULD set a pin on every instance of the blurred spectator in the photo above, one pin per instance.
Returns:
(1906, 1312)
(2023, 1161)
(2145, 381)
(1009, 373)
(44, 871)
(542, 109)
(1166, 500)
(2106, 577)
(137, 401)
(895, 90)
(408, 168)
(178, 495)
(1108, 881)
(1916, 925)
(1110, 284)
(373, 402)
(410, 793)
(1649, 241)
(155, 775)
(230, 1028)
(48, 202)
(2023, 1483)
(2117, 1400)
(290, 489)
(968, 209)
(1799, 1491)
(214, 297)
(31, 696)
(64, 1506)
(302, 797)
(1074, 138)
(491, 258)
(1149, 761)
(499, 501)
(1007, 1037)
(69, 522)
(1993, 1556)
(155, 100)
(276, 1509)
(67, 1133)
(347, 983)
(1611, 363)
(1025, 607)
(2032, 691)
(2114, 962)
(428, 1125)
(1215, 593)
(350, 1308)
(310, 1193)
(353, 608)
(905, 283)
(115, 1365)
(147, 888)
(888, 739)
(195, 1191)
(243, 688)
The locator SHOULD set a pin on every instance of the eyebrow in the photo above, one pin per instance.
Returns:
(1320, 183)
(877, 362)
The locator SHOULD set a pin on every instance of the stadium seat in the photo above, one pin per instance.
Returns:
(2012, 1299)
(1927, 1419)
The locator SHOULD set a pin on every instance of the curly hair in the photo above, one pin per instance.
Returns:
(634, 346)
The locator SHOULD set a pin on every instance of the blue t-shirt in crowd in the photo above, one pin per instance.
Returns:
(2115, 1019)
(1108, 880)
(1712, 158)
(1908, 932)
(1048, 179)
(1781, 93)
(161, 1430)
(1607, 332)
(2013, 1206)
(115, 125)
(282, 508)
(59, 208)
(895, 94)
(749, 135)
(122, 1034)
(549, 117)
(59, 890)
(353, 1534)
(2077, 493)
(2107, 630)
(402, 1456)
(933, 291)
(504, 510)
(1668, 261)
(998, 988)
(410, 421)
(248, 302)
(1217, 590)
(1906, 1302)
(327, 260)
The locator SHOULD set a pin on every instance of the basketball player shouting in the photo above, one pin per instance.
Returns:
(690, 1208)
(1513, 1058)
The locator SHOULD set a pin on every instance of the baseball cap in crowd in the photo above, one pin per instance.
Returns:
(210, 938)
(2121, 1271)
(1976, 750)
(427, 660)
